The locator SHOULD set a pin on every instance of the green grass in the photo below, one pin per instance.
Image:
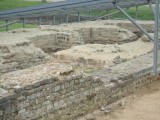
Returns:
(144, 13)
(16, 26)
(12, 4)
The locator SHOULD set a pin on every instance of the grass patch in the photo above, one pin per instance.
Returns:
(144, 13)
(16, 26)
(12, 4)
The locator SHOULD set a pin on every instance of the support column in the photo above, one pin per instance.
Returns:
(155, 61)
(79, 17)
(99, 12)
(136, 12)
(23, 22)
(109, 12)
(66, 21)
(89, 15)
(7, 26)
(153, 10)
(54, 20)
(39, 20)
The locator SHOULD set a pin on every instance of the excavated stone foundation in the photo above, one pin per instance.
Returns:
(66, 71)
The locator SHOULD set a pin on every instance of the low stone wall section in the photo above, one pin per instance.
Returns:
(74, 95)
(49, 97)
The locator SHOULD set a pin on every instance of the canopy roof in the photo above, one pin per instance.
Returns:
(69, 7)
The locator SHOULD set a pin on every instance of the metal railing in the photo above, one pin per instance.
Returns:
(65, 8)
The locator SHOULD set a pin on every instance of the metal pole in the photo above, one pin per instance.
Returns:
(89, 15)
(23, 22)
(7, 26)
(39, 21)
(99, 16)
(107, 13)
(66, 18)
(99, 12)
(9, 23)
(153, 10)
(110, 14)
(136, 12)
(54, 20)
(134, 22)
(79, 18)
(155, 61)
(109, 17)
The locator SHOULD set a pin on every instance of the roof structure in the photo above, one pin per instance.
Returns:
(69, 7)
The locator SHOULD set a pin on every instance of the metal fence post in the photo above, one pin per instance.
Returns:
(136, 12)
(89, 15)
(7, 26)
(54, 19)
(23, 22)
(66, 21)
(155, 61)
(79, 17)
(39, 20)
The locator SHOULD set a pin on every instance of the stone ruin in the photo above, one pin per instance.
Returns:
(24, 48)
(63, 72)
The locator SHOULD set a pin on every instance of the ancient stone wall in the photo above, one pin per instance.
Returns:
(19, 55)
(57, 41)
(49, 98)
(57, 91)
(67, 99)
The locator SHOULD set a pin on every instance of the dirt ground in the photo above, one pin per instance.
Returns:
(143, 105)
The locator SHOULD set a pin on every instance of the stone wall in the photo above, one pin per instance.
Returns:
(63, 100)
(68, 98)
(49, 98)
(18, 55)
(57, 41)
(44, 92)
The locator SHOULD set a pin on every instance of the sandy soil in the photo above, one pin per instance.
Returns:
(143, 105)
